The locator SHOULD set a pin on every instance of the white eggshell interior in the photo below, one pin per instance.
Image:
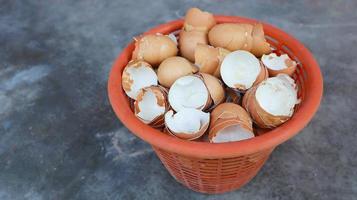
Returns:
(149, 107)
(277, 95)
(188, 120)
(188, 92)
(240, 67)
(231, 134)
(274, 62)
(142, 76)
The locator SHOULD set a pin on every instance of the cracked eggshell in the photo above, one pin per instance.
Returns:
(222, 53)
(189, 92)
(188, 41)
(215, 88)
(206, 58)
(241, 70)
(154, 48)
(151, 105)
(137, 75)
(279, 64)
(230, 122)
(198, 20)
(188, 124)
(173, 68)
(272, 102)
(260, 46)
(231, 36)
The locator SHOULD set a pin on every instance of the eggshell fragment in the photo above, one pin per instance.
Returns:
(189, 92)
(198, 20)
(137, 75)
(241, 70)
(188, 41)
(188, 123)
(279, 64)
(154, 48)
(151, 105)
(215, 88)
(260, 45)
(272, 102)
(173, 68)
(230, 122)
(222, 53)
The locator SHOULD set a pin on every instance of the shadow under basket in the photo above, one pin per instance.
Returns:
(218, 168)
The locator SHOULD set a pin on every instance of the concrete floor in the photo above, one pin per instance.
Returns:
(59, 138)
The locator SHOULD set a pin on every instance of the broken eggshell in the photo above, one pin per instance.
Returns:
(137, 75)
(230, 122)
(173, 68)
(272, 102)
(154, 48)
(151, 105)
(188, 123)
(279, 64)
(198, 20)
(241, 70)
(189, 92)
(188, 41)
(215, 88)
(234, 36)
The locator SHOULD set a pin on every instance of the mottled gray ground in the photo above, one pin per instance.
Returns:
(59, 138)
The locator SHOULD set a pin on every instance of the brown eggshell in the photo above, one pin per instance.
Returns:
(154, 48)
(161, 95)
(260, 117)
(126, 80)
(263, 75)
(215, 88)
(289, 71)
(260, 45)
(227, 111)
(189, 136)
(224, 124)
(188, 41)
(206, 58)
(230, 36)
(173, 68)
(198, 20)
(222, 53)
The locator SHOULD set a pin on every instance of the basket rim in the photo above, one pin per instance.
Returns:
(205, 150)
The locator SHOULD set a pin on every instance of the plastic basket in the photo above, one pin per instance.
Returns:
(217, 168)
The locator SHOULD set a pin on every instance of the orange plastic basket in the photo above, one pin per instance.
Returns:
(218, 168)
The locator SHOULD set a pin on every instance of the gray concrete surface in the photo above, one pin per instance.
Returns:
(59, 138)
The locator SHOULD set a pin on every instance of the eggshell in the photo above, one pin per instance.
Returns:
(188, 41)
(261, 117)
(289, 64)
(154, 48)
(215, 88)
(260, 45)
(226, 115)
(173, 68)
(206, 58)
(263, 75)
(180, 123)
(198, 20)
(230, 36)
(137, 75)
(161, 100)
(222, 53)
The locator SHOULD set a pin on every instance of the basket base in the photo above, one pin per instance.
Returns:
(213, 176)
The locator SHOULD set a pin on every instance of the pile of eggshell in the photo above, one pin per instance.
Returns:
(217, 79)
